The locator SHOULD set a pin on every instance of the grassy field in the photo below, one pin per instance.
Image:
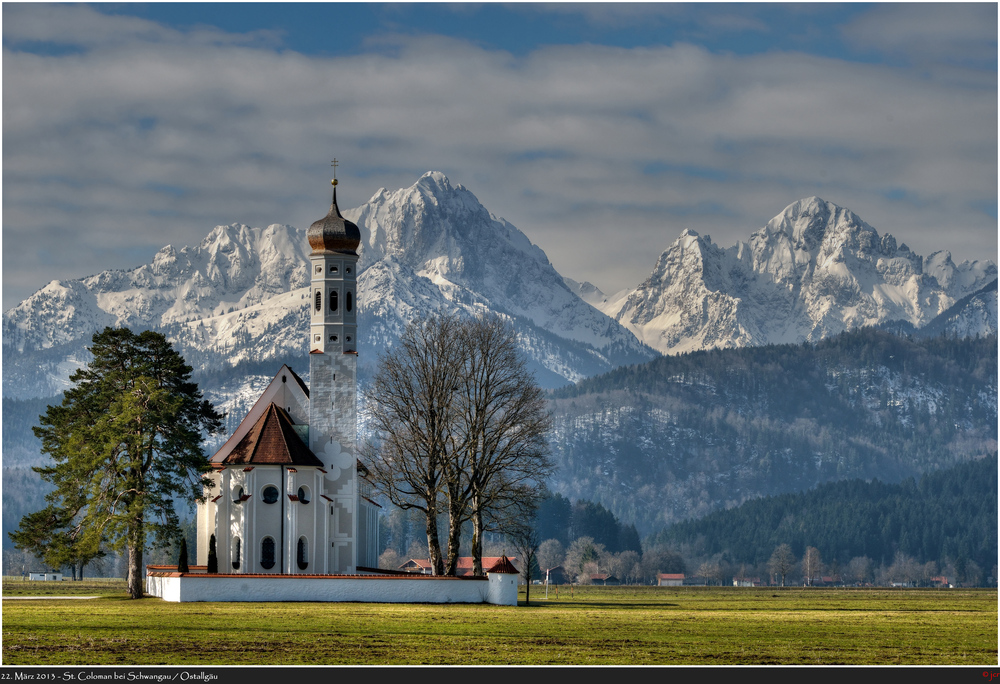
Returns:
(594, 625)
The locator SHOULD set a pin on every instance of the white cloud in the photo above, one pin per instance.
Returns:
(929, 32)
(151, 136)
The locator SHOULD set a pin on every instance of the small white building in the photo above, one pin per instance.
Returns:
(668, 579)
(46, 576)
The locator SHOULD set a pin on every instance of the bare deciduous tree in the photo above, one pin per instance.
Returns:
(782, 561)
(812, 565)
(503, 425)
(859, 569)
(460, 425)
(582, 551)
(410, 404)
(524, 538)
(550, 554)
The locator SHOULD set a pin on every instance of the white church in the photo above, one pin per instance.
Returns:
(291, 510)
(289, 494)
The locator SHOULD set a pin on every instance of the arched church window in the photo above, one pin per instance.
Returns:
(303, 495)
(270, 494)
(267, 553)
(350, 300)
(319, 300)
(302, 554)
(238, 495)
(236, 553)
(333, 300)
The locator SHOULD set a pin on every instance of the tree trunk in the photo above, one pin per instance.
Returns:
(135, 561)
(135, 571)
(454, 538)
(433, 544)
(477, 539)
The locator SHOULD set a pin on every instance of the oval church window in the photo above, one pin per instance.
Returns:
(302, 554)
(303, 495)
(267, 553)
(270, 494)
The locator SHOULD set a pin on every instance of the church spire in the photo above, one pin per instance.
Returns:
(334, 233)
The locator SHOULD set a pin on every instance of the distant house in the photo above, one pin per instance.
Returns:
(605, 579)
(46, 576)
(462, 569)
(940, 582)
(557, 575)
(667, 579)
(417, 565)
(747, 582)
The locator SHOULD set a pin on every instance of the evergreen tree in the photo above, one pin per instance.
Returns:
(182, 561)
(213, 556)
(126, 441)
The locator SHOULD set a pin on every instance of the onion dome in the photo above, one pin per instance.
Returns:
(334, 233)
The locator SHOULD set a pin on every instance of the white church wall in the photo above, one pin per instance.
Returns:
(497, 589)
(267, 517)
(206, 518)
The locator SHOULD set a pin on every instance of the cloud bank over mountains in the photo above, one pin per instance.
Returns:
(123, 134)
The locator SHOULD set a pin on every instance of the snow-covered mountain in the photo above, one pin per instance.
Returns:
(239, 296)
(974, 314)
(813, 271)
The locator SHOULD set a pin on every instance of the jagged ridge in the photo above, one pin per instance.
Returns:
(813, 271)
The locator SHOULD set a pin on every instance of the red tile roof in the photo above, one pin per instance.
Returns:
(272, 441)
(463, 568)
(502, 566)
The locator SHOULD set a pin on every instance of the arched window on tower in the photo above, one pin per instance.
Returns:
(333, 300)
(350, 300)
(319, 300)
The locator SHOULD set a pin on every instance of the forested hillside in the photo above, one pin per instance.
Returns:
(947, 517)
(682, 436)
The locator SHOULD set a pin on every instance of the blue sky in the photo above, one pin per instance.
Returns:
(130, 126)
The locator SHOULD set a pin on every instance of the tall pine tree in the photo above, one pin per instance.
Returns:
(126, 441)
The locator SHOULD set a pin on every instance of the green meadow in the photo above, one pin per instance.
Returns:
(588, 625)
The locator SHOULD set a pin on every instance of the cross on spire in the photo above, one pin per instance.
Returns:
(334, 164)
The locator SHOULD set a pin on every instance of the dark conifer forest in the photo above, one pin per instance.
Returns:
(682, 436)
(948, 515)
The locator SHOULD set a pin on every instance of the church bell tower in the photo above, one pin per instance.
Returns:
(333, 376)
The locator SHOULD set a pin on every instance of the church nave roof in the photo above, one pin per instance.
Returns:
(272, 441)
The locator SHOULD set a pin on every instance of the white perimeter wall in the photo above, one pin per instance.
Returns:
(498, 589)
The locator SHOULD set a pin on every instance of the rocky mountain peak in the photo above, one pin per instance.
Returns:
(237, 295)
(813, 223)
(814, 270)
